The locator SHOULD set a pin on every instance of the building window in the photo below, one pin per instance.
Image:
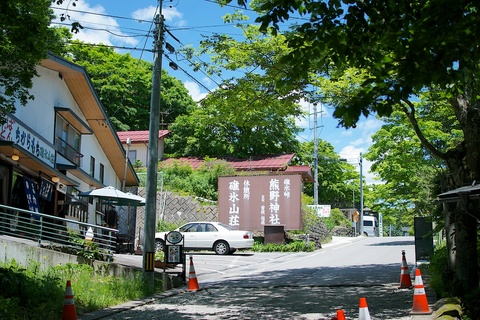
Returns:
(132, 156)
(68, 141)
(102, 172)
(92, 167)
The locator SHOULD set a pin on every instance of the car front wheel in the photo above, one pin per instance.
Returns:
(159, 245)
(221, 247)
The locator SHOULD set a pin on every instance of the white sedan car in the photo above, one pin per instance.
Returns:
(205, 235)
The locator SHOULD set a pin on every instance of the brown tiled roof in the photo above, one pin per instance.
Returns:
(139, 136)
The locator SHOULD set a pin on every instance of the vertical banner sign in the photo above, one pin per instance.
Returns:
(46, 190)
(252, 202)
(31, 195)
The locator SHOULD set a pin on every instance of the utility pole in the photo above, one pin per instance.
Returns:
(361, 194)
(129, 142)
(315, 158)
(151, 183)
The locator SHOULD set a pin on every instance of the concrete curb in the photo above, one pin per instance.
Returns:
(130, 305)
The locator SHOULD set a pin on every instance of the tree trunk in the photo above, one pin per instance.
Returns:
(464, 169)
(449, 225)
(466, 260)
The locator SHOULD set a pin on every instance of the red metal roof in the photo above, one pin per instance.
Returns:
(139, 136)
(305, 171)
(273, 163)
(276, 162)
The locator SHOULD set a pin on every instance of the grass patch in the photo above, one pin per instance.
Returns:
(29, 293)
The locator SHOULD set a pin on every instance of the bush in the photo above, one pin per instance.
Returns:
(442, 282)
(336, 219)
(163, 225)
(295, 246)
(441, 277)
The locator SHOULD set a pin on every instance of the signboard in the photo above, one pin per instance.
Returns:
(61, 188)
(31, 195)
(14, 131)
(174, 252)
(423, 238)
(322, 210)
(252, 202)
(380, 225)
(355, 216)
(46, 190)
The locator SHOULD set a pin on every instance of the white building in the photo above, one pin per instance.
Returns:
(136, 142)
(60, 144)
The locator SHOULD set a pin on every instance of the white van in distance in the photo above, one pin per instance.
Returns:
(370, 226)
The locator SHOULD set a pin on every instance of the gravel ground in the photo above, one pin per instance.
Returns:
(290, 302)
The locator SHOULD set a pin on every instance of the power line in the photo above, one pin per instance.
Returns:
(101, 14)
(188, 75)
(105, 30)
(147, 35)
(86, 44)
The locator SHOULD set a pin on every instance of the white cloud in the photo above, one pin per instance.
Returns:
(145, 13)
(352, 155)
(363, 133)
(207, 81)
(98, 28)
(194, 90)
(171, 14)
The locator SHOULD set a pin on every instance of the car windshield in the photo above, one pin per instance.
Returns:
(202, 227)
(191, 227)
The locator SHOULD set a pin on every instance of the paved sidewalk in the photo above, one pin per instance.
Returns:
(340, 241)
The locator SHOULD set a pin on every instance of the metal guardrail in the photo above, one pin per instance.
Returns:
(68, 151)
(59, 233)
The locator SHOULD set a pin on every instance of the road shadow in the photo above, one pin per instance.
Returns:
(205, 253)
(393, 243)
(302, 293)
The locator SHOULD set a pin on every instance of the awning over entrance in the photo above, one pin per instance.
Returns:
(472, 191)
(82, 175)
(16, 154)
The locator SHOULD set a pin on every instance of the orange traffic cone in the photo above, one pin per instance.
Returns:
(363, 313)
(69, 312)
(192, 278)
(420, 303)
(340, 315)
(405, 281)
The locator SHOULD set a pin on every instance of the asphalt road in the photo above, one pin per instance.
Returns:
(288, 285)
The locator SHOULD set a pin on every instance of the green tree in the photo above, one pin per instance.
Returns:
(204, 180)
(25, 38)
(408, 169)
(227, 128)
(405, 48)
(246, 116)
(337, 180)
(124, 86)
(179, 176)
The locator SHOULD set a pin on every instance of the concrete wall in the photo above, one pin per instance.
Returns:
(25, 253)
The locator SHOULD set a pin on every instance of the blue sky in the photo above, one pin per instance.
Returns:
(127, 24)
